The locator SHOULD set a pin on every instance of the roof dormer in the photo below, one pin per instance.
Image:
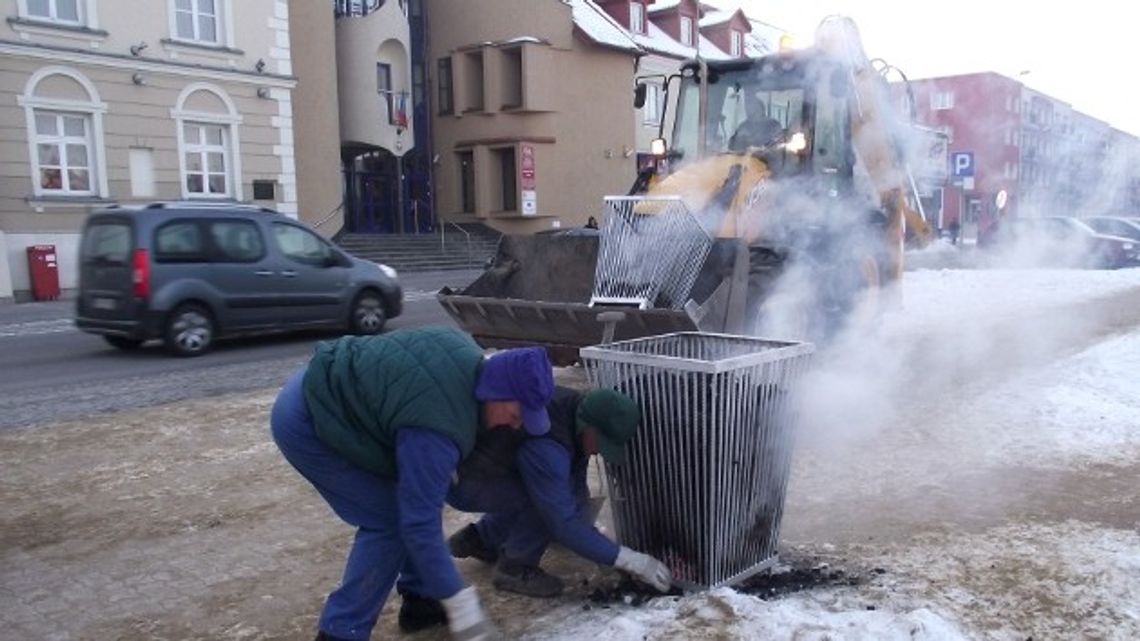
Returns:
(678, 18)
(631, 14)
(726, 30)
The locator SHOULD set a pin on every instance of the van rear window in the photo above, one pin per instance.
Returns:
(107, 243)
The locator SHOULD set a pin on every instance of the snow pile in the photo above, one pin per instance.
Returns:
(1082, 410)
(964, 299)
(963, 339)
(1065, 581)
(726, 614)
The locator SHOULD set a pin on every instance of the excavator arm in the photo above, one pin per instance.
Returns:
(876, 132)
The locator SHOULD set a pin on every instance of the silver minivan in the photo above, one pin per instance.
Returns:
(188, 273)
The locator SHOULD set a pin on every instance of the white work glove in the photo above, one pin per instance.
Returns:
(466, 619)
(644, 567)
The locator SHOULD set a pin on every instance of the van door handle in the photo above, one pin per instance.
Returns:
(264, 272)
(288, 273)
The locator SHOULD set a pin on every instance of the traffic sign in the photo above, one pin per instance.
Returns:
(1001, 199)
(962, 164)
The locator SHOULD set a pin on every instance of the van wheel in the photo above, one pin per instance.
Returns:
(123, 343)
(189, 331)
(368, 315)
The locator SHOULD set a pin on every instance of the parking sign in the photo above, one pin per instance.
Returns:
(962, 164)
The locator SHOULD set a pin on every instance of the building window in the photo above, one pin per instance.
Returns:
(512, 78)
(417, 85)
(208, 146)
(197, 20)
(62, 11)
(446, 97)
(737, 44)
(384, 88)
(687, 31)
(942, 100)
(467, 181)
(206, 154)
(63, 153)
(65, 134)
(474, 77)
(637, 17)
(508, 179)
(651, 111)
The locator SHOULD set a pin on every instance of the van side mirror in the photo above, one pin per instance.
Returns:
(639, 95)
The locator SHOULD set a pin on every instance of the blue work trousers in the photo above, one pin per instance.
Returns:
(361, 499)
(511, 523)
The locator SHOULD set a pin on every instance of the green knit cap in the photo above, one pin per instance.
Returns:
(614, 417)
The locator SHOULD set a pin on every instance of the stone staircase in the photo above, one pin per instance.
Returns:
(425, 252)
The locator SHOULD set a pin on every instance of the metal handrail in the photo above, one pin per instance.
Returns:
(443, 237)
(329, 216)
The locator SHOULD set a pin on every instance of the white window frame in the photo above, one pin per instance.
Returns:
(941, 100)
(651, 111)
(61, 141)
(92, 108)
(223, 27)
(637, 17)
(85, 8)
(230, 121)
(203, 150)
(687, 31)
(737, 44)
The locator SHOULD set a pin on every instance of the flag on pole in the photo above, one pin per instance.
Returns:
(402, 110)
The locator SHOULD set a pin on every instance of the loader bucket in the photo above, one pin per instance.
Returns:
(537, 292)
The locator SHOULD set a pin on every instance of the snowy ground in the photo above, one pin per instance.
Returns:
(971, 466)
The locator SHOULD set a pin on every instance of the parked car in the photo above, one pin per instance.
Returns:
(189, 273)
(1058, 241)
(1115, 226)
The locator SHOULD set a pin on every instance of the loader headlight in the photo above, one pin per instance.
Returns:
(797, 143)
(1128, 246)
(388, 271)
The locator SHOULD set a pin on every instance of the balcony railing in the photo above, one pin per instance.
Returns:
(356, 8)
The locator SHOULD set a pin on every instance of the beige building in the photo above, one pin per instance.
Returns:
(377, 124)
(533, 103)
(120, 101)
(316, 124)
(533, 99)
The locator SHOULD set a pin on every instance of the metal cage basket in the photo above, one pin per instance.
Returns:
(704, 480)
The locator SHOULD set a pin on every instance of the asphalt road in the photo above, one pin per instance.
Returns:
(50, 371)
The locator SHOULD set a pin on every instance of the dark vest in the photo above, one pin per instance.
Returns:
(496, 450)
(361, 389)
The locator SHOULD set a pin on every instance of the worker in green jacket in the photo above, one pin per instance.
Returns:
(379, 425)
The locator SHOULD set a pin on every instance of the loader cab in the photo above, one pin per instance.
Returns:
(789, 109)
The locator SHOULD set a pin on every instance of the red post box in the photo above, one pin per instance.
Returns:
(43, 269)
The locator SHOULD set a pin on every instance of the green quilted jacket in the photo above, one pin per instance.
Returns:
(361, 389)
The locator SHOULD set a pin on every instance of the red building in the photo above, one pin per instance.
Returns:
(981, 115)
(1048, 158)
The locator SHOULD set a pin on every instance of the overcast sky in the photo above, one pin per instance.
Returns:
(1087, 54)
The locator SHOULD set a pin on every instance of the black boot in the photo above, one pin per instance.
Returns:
(529, 580)
(468, 543)
(324, 636)
(418, 613)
